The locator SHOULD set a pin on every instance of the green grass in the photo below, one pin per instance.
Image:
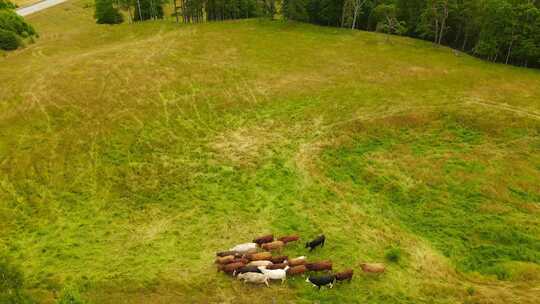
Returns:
(130, 154)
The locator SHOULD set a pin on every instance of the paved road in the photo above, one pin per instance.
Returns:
(25, 11)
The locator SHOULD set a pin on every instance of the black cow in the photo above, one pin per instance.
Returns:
(319, 241)
(323, 280)
(247, 269)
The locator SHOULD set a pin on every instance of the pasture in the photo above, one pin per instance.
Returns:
(130, 154)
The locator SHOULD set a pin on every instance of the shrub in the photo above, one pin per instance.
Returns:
(8, 40)
(10, 21)
(106, 13)
(393, 255)
(5, 4)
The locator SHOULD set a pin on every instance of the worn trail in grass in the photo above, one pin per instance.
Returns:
(130, 154)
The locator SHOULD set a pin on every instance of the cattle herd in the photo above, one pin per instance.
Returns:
(255, 263)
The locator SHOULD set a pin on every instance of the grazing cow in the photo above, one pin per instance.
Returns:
(320, 281)
(276, 274)
(277, 245)
(297, 261)
(279, 259)
(231, 268)
(289, 238)
(372, 267)
(319, 266)
(225, 260)
(247, 269)
(277, 266)
(344, 275)
(264, 239)
(319, 241)
(296, 270)
(245, 248)
(259, 263)
(228, 252)
(260, 256)
(253, 277)
(240, 260)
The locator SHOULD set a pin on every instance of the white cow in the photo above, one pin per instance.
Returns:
(275, 274)
(260, 263)
(245, 248)
(254, 277)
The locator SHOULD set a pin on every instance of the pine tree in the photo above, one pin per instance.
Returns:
(106, 13)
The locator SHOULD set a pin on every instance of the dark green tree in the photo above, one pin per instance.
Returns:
(106, 13)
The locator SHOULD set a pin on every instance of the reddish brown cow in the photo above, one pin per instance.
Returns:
(229, 252)
(344, 275)
(373, 267)
(296, 270)
(319, 266)
(289, 238)
(277, 245)
(230, 268)
(225, 260)
(279, 259)
(277, 266)
(264, 239)
(240, 260)
(261, 256)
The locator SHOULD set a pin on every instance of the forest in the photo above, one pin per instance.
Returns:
(504, 31)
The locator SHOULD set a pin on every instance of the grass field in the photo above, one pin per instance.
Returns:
(130, 154)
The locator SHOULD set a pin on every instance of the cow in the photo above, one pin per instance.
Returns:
(231, 268)
(279, 259)
(225, 260)
(319, 266)
(372, 267)
(297, 261)
(228, 252)
(319, 241)
(277, 245)
(277, 274)
(259, 263)
(260, 256)
(245, 269)
(296, 270)
(344, 275)
(320, 281)
(277, 266)
(240, 260)
(289, 238)
(264, 239)
(253, 277)
(245, 248)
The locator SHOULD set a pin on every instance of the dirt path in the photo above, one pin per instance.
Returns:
(34, 8)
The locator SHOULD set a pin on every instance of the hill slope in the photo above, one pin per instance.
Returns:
(130, 154)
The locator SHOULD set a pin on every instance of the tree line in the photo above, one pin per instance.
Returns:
(14, 30)
(187, 11)
(506, 31)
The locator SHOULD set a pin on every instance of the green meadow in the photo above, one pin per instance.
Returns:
(130, 154)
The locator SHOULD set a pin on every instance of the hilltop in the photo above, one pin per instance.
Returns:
(130, 154)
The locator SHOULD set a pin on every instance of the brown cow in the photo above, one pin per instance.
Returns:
(289, 238)
(279, 259)
(344, 275)
(228, 252)
(277, 266)
(240, 260)
(372, 267)
(277, 245)
(261, 256)
(319, 266)
(296, 270)
(230, 268)
(297, 261)
(225, 260)
(264, 239)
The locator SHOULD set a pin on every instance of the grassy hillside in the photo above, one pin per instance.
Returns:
(130, 154)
